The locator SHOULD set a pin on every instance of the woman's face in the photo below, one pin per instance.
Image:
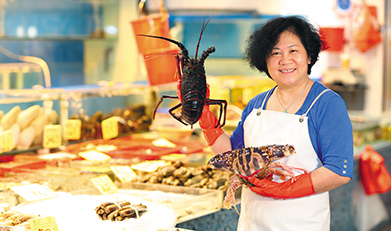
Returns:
(288, 61)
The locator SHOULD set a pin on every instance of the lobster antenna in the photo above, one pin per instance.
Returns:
(202, 31)
(180, 45)
(159, 37)
(153, 56)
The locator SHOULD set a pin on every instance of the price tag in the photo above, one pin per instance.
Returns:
(104, 184)
(33, 192)
(72, 129)
(110, 128)
(162, 142)
(7, 142)
(95, 156)
(124, 173)
(43, 224)
(52, 137)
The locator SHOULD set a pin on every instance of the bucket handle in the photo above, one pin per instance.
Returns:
(141, 6)
(163, 11)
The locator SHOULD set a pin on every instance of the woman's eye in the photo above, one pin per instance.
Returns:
(274, 53)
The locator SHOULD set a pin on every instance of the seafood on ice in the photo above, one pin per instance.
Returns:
(15, 218)
(120, 210)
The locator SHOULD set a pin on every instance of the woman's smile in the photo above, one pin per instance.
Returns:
(288, 70)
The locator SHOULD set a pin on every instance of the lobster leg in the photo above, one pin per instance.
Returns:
(171, 109)
(219, 102)
(175, 116)
(161, 100)
(229, 199)
(287, 170)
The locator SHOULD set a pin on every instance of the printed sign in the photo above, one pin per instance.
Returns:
(95, 156)
(124, 173)
(72, 129)
(104, 184)
(52, 137)
(33, 192)
(7, 142)
(110, 128)
(43, 224)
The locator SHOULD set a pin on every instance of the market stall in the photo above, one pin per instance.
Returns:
(90, 146)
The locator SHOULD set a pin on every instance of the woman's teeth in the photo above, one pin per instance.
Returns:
(289, 70)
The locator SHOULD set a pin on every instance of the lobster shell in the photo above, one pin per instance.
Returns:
(248, 160)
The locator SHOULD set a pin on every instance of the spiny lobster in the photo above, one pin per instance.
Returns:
(192, 89)
(252, 161)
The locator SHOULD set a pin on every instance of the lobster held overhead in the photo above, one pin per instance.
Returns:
(192, 88)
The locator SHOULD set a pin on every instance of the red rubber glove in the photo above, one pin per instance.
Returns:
(208, 122)
(300, 187)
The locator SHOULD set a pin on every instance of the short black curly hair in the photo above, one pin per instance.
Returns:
(262, 41)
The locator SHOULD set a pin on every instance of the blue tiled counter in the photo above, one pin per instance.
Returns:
(340, 202)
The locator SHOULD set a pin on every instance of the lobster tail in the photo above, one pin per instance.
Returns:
(194, 102)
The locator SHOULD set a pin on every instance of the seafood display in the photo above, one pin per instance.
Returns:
(14, 218)
(186, 202)
(118, 211)
(77, 212)
(27, 125)
(179, 175)
(131, 119)
(192, 87)
(257, 162)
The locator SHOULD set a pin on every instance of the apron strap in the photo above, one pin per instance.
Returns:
(263, 103)
(313, 102)
(302, 116)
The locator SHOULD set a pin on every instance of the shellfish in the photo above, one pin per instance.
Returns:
(257, 162)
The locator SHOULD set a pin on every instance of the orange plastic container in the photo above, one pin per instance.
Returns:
(161, 65)
(334, 37)
(154, 24)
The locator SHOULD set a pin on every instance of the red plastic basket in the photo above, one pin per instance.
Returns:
(161, 65)
(334, 37)
(154, 24)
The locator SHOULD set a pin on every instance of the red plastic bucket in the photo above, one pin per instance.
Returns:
(334, 37)
(154, 24)
(161, 65)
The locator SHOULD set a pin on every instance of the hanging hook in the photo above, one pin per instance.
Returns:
(141, 6)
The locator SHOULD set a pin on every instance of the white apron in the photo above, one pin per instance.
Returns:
(302, 214)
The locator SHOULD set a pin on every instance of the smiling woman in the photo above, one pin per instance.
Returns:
(299, 112)
(286, 55)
